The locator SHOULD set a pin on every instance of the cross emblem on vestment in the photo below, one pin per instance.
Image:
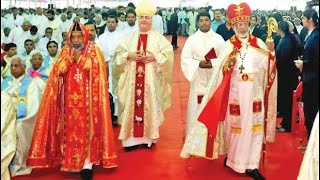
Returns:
(241, 68)
(78, 76)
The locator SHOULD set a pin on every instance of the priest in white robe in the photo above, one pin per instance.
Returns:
(196, 67)
(25, 97)
(108, 41)
(142, 77)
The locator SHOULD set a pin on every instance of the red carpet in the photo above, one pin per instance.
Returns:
(162, 162)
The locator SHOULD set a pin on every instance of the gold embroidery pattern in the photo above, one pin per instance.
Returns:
(257, 128)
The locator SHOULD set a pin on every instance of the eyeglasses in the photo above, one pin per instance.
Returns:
(241, 25)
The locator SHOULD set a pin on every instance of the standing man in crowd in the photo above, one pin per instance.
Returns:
(309, 65)
(173, 28)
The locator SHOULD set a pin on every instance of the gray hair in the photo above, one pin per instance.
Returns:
(19, 58)
(98, 16)
(35, 52)
(26, 22)
(63, 14)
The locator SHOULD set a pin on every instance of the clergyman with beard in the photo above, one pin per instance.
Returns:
(231, 116)
(76, 105)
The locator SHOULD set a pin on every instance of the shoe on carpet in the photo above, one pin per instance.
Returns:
(255, 174)
(146, 145)
(131, 148)
(86, 174)
(303, 147)
(280, 129)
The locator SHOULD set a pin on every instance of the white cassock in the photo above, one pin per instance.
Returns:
(194, 50)
(108, 41)
(121, 26)
(25, 96)
(18, 36)
(157, 23)
(130, 29)
(241, 133)
(310, 164)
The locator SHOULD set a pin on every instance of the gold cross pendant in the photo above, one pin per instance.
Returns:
(241, 68)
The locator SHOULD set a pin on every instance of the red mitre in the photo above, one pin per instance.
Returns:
(239, 13)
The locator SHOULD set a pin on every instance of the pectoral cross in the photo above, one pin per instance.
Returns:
(241, 68)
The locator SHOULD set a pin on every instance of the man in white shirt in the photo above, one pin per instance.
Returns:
(64, 26)
(26, 55)
(157, 23)
(191, 16)
(297, 23)
(19, 34)
(14, 19)
(5, 36)
(122, 24)
(182, 19)
(164, 19)
(54, 23)
(40, 21)
(42, 44)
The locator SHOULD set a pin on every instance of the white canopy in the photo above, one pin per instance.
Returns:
(254, 4)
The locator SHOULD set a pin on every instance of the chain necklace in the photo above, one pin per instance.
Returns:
(242, 58)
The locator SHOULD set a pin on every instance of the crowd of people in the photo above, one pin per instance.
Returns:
(69, 75)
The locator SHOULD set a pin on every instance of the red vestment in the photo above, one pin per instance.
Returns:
(74, 120)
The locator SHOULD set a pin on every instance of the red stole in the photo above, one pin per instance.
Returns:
(216, 108)
(138, 119)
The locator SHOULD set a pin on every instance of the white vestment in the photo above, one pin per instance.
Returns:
(310, 164)
(8, 133)
(25, 96)
(194, 51)
(241, 133)
(108, 41)
(157, 96)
